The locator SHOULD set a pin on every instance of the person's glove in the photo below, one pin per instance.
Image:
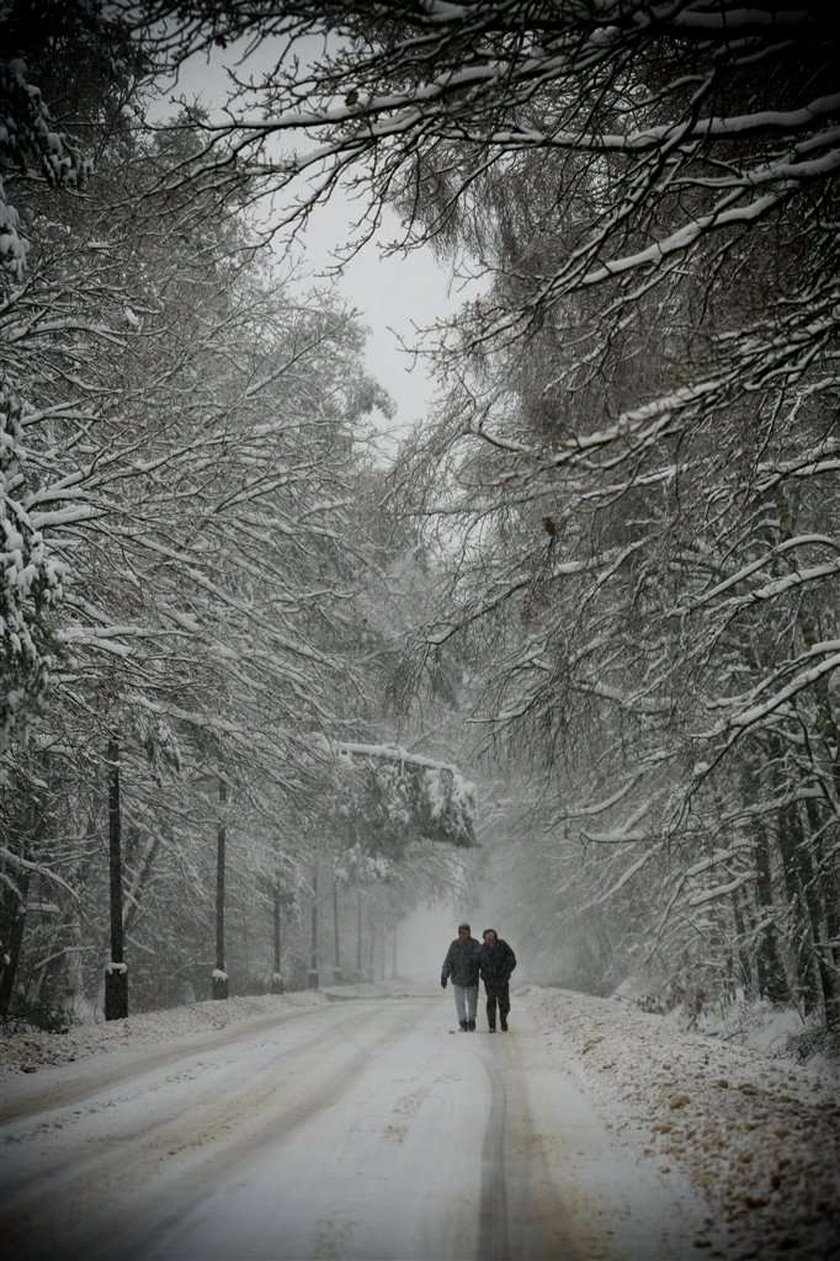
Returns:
(443, 982)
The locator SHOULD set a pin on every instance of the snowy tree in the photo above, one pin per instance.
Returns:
(195, 429)
(631, 479)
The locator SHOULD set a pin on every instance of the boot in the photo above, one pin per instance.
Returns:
(504, 1024)
(491, 1028)
(472, 1026)
(465, 1024)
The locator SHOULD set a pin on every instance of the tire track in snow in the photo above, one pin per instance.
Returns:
(493, 1212)
(354, 1135)
(75, 1115)
(112, 1069)
(129, 1187)
(524, 1211)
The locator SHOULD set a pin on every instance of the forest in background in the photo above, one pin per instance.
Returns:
(600, 577)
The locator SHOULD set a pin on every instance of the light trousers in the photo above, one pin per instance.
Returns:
(466, 1001)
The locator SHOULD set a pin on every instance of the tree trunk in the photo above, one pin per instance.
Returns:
(141, 879)
(277, 985)
(828, 867)
(745, 973)
(312, 978)
(31, 830)
(819, 877)
(12, 946)
(336, 936)
(220, 987)
(770, 972)
(814, 886)
(772, 982)
(116, 973)
(790, 838)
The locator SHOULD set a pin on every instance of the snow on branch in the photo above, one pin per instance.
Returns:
(24, 864)
(705, 896)
(624, 878)
(626, 831)
(718, 857)
(805, 679)
(403, 793)
(781, 549)
(607, 803)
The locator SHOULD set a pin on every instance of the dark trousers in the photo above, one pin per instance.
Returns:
(498, 992)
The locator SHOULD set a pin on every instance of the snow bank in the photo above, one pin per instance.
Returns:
(27, 1052)
(758, 1137)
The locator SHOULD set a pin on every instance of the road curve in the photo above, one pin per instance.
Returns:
(357, 1131)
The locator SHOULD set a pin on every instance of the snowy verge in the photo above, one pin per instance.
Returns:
(759, 1138)
(26, 1052)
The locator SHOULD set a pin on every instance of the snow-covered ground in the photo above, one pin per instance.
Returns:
(27, 1052)
(641, 1139)
(758, 1136)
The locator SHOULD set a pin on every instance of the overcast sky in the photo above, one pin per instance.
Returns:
(393, 294)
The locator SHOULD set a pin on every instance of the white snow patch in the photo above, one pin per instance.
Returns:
(28, 1051)
(758, 1137)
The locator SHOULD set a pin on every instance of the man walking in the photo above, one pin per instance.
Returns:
(461, 963)
(496, 961)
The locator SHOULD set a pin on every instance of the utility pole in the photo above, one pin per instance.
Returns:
(359, 935)
(312, 977)
(277, 985)
(116, 971)
(336, 940)
(220, 987)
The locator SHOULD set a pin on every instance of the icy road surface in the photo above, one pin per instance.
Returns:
(357, 1129)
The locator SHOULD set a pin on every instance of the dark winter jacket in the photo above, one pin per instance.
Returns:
(496, 963)
(461, 962)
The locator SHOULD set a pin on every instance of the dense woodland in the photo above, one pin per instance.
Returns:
(599, 580)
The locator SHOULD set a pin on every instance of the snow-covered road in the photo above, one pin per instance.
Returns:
(352, 1129)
